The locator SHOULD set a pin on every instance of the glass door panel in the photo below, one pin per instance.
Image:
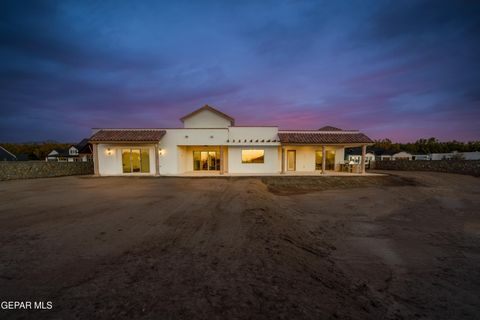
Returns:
(212, 159)
(329, 161)
(204, 160)
(196, 160)
(126, 162)
(145, 161)
(318, 160)
(136, 160)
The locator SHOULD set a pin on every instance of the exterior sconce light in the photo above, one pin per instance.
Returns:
(109, 151)
(160, 151)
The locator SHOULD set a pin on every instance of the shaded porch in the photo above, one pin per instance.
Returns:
(319, 159)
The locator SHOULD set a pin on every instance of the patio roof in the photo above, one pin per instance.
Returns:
(128, 135)
(333, 137)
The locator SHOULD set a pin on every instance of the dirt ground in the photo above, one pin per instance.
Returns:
(396, 247)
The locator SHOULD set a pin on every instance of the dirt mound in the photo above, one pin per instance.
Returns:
(299, 185)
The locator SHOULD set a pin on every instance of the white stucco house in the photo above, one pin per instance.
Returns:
(402, 155)
(211, 142)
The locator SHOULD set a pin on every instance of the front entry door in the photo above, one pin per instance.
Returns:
(291, 159)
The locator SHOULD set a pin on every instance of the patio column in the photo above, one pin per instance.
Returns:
(362, 164)
(324, 160)
(95, 159)
(283, 159)
(222, 168)
(157, 162)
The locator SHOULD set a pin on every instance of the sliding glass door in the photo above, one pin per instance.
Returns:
(206, 160)
(329, 160)
(135, 160)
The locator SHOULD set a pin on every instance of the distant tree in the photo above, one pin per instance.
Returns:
(34, 150)
(427, 146)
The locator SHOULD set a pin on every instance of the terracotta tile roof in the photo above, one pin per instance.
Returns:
(128, 135)
(323, 137)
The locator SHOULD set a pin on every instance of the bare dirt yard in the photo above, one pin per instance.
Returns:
(404, 246)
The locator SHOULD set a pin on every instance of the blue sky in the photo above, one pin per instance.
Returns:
(394, 69)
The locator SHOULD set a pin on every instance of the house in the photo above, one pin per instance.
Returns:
(456, 155)
(211, 142)
(80, 152)
(6, 155)
(63, 155)
(402, 155)
(471, 155)
(420, 157)
(385, 155)
(84, 150)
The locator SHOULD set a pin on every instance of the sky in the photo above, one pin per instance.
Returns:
(401, 70)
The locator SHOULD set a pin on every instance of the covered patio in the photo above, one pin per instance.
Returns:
(321, 151)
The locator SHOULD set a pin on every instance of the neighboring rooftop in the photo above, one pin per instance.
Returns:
(6, 155)
(329, 128)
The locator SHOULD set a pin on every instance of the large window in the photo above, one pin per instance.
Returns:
(253, 156)
(329, 160)
(135, 160)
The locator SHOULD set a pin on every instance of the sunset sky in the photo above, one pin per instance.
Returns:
(394, 69)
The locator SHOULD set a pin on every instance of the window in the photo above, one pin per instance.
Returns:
(253, 156)
(135, 160)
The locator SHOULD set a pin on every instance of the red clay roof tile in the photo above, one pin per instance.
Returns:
(323, 137)
(128, 135)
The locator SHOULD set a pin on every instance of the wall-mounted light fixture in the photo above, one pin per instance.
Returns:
(160, 151)
(109, 152)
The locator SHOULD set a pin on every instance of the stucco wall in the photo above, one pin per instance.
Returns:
(111, 164)
(206, 119)
(175, 157)
(270, 164)
(10, 170)
(470, 167)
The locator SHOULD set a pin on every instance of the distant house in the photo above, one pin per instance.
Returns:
(456, 155)
(471, 155)
(80, 152)
(402, 155)
(6, 155)
(385, 155)
(420, 157)
(85, 150)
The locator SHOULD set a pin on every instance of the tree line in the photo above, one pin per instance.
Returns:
(34, 151)
(427, 146)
